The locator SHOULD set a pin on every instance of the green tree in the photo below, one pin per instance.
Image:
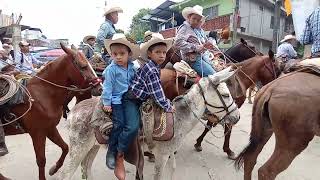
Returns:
(139, 26)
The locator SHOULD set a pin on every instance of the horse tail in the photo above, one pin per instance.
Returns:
(260, 120)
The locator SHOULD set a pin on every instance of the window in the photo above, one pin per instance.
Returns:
(211, 12)
(272, 22)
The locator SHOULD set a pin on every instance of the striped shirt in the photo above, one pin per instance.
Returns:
(146, 83)
(311, 33)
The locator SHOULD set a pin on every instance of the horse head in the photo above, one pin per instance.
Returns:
(80, 71)
(270, 68)
(218, 98)
(173, 55)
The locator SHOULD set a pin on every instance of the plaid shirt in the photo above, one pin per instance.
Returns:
(311, 34)
(147, 83)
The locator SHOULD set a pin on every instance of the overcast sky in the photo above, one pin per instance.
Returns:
(72, 19)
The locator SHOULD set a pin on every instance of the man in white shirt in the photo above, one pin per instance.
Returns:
(25, 61)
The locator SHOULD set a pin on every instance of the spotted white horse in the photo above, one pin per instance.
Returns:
(210, 93)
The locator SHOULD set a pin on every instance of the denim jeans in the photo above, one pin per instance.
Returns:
(202, 67)
(118, 125)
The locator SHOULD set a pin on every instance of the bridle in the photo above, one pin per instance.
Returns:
(271, 69)
(80, 76)
(223, 108)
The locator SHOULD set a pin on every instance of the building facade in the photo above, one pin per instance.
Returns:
(255, 20)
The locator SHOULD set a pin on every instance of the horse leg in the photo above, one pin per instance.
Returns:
(283, 155)
(87, 162)
(56, 138)
(197, 146)
(39, 143)
(250, 160)
(160, 164)
(172, 163)
(226, 144)
(78, 152)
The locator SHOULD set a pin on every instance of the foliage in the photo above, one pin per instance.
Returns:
(139, 26)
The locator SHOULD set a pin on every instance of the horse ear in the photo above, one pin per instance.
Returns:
(67, 50)
(73, 47)
(222, 76)
(243, 41)
(271, 54)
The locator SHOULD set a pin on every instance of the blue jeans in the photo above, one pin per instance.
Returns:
(206, 67)
(126, 124)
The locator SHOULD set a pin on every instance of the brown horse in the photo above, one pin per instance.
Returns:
(48, 90)
(289, 108)
(258, 68)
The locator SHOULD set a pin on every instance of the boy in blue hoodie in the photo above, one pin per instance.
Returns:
(117, 76)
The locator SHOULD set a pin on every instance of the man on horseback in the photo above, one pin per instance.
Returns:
(107, 30)
(88, 49)
(193, 43)
(25, 61)
(311, 33)
(286, 51)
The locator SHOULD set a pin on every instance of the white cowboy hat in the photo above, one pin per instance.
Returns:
(24, 43)
(111, 9)
(120, 38)
(86, 38)
(147, 33)
(288, 37)
(154, 39)
(193, 10)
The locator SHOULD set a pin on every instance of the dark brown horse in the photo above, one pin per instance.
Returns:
(289, 108)
(49, 89)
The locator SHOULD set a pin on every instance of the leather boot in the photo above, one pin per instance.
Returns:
(3, 149)
(119, 170)
(111, 159)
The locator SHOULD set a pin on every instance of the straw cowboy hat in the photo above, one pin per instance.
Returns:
(152, 39)
(193, 10)
(288, 37)
(120, 38)
(86, 38)
(109, 10)
(24, 43)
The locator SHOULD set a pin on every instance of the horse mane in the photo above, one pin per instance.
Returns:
(50, 64)
(246, 62)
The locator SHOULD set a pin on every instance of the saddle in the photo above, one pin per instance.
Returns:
(158, 125)
(309, 66)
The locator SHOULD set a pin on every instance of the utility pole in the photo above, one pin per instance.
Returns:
(276, 25)
(16, 35)
(235, 22)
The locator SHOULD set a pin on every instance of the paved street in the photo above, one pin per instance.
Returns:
(210, 164)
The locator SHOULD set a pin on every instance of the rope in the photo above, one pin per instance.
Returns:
(30, 100)
(13, 89)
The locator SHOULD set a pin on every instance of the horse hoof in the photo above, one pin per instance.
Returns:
(198, 148)
(232, 155)
(53, 170)
(151, 159)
